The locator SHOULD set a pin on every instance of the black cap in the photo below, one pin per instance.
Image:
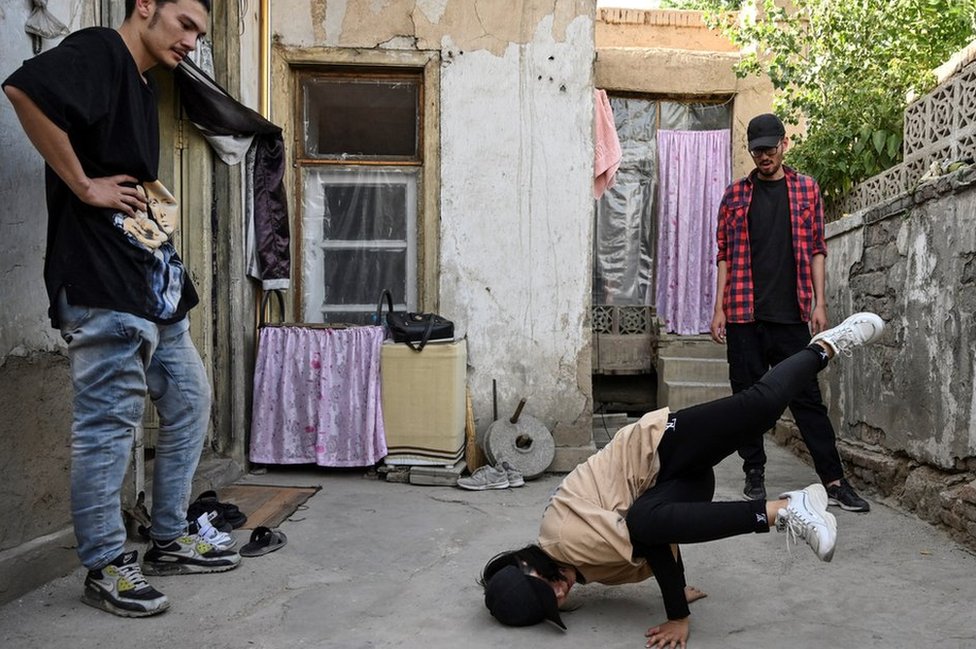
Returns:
(764, 131)
(517, 599)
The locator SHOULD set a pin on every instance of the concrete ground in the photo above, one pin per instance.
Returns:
(377, 564)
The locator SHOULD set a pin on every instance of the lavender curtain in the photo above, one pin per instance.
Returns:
(317, 397)
(694, 170)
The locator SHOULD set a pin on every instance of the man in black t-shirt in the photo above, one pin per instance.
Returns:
(770, 296)
(119, 292)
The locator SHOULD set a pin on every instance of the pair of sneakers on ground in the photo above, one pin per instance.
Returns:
(121, 588)
(856, 330)
(501, 476)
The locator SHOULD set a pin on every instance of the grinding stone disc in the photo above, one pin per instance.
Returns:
(528, 445)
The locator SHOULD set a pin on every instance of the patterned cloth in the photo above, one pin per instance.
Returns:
(695, 169)
(317, 397)
(806, 214)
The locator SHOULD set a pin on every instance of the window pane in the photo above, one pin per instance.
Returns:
(676, 116)
(364, 210)
(358, 238)
(347, 117)
(353, 280)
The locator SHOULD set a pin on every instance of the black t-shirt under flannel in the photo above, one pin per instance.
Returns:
(90, 87)
(773, 261)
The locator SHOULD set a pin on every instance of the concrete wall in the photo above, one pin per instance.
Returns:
(905, 409)
(35, 388)
(515, 176)
(670, 28)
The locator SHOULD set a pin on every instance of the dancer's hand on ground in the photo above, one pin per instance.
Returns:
(670, 635)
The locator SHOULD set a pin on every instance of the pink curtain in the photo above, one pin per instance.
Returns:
(317, 397)
(695, 169)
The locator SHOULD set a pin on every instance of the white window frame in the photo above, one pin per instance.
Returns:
(316, 247)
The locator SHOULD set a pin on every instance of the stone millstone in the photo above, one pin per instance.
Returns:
(527, 445)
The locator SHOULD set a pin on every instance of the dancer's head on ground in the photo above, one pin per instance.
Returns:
(525, 587)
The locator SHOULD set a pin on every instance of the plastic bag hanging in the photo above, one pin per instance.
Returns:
(41, 24)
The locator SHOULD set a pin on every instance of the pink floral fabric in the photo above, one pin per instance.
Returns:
(695, 168)
(317, 397)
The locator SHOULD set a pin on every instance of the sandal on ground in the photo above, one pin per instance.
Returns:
(263, 540)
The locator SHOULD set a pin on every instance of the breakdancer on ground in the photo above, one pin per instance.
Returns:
(620, 516)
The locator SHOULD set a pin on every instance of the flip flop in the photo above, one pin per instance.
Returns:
(263, 540)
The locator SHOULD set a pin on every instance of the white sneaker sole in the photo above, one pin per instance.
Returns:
(497, 485)
(93, 600)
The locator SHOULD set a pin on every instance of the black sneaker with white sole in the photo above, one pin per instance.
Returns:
(755, 485)
(188, 554)
(844, 496)
(120, 588)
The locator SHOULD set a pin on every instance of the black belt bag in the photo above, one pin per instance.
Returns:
(414, 329)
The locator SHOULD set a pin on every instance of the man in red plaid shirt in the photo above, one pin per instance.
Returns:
(770, 296)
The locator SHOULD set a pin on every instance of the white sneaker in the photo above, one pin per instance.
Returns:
(487, 477)
(859, 329)
(806, 517)
(213, 536)
(514, 476)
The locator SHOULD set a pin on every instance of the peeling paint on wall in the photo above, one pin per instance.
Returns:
(433, 10)
(913, 267)
(516, 220)
(468, 24)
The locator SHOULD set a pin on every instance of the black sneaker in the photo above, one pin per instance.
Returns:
(755, 488)
(844, 496)
(188, 554)
(121, 589)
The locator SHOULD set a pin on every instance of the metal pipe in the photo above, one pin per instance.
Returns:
(264, 62)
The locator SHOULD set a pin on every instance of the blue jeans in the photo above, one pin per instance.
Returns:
(116, 360)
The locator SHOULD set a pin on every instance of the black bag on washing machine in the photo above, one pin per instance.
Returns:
(414, 329)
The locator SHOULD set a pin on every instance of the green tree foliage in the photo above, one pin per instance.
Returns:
(845, 68)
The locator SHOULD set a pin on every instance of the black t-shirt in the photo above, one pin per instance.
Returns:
(90, 87)
(773, 262)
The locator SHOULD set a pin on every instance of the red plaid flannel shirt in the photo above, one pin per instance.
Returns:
(806, 214)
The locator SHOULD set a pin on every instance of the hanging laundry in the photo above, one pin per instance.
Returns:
(42, 24)
(607, 152)
(236, 132)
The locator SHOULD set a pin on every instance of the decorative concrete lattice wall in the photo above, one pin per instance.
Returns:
(624, 339)
(940, 128)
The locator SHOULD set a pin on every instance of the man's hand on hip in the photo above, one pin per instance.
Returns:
(113, 192)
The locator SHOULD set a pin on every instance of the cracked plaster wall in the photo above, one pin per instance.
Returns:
(516, 179)
(915, 265)
(35, 389)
